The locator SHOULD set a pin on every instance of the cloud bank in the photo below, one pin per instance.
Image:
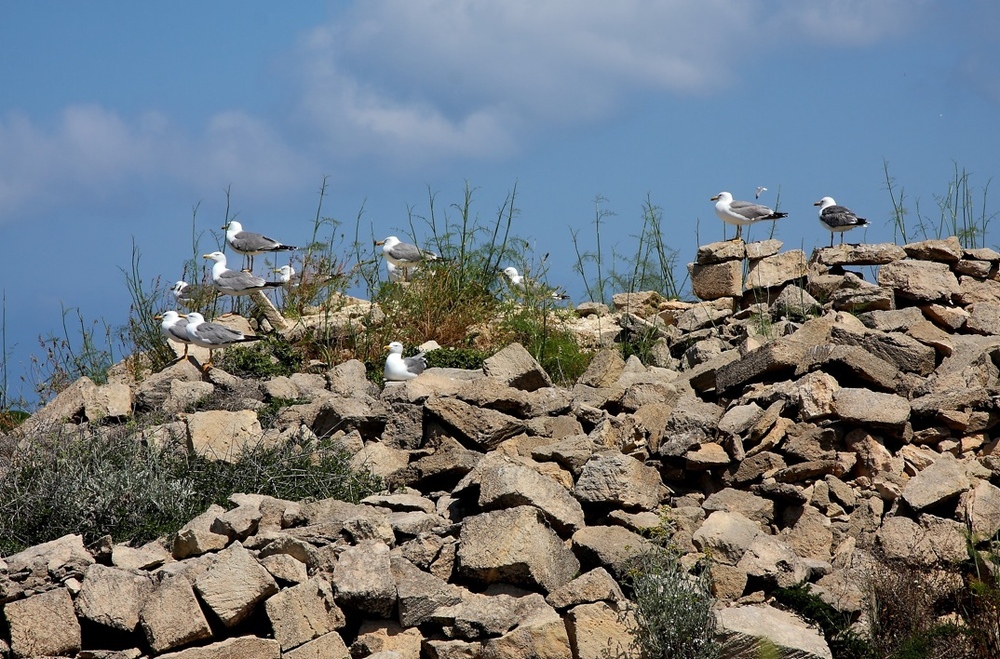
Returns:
(406, 83)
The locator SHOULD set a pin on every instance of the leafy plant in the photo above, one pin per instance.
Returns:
(67, 358)
(119, 484)
(269, 357)
(672, 606)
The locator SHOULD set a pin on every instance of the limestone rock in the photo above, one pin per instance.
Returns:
(363, 579)
(515, 546)
(302, 613)
(234, 584)
(619, 480)
(43, 625)
(171, 616)
(515, 366)
(745, 629)
(113, 598)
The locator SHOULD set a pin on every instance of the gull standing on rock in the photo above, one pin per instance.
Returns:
(399, 368)
(173, 328)
(404, 255)
(232, 282)
(250, 244)
(212, 335)
(741, 213)
(837, 218)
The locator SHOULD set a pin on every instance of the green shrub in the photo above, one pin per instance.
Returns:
(672, 607)
(270, 357)
(121, 486)
(836, 626)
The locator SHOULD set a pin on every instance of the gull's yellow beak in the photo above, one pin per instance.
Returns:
(158, 316)
(818, 203)
(206, 256)
(379, 242)
(715, 198)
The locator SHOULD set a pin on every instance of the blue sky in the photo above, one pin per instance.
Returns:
(118, 118)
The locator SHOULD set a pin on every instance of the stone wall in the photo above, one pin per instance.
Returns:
(798, 423)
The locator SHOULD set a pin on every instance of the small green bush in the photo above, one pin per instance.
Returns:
(672, 607)
(267, 358)
(121, 486)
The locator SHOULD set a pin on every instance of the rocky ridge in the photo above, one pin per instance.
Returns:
(798, 423)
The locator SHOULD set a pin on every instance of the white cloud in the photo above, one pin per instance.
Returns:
(404, 83)
(422, 79)
(92, 152)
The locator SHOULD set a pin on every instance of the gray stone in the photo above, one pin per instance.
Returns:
(744, 629)
(610, 547)
(239, 647)
(504, 484)
(619, 480)
(944, 479)
(171, 616)
(302, 613)
(716, 280)
(597, 585)
(113, 598)
(727, 535)
(514, 546)
(43, 625)
(363, 580)
(484, 429)
(515, 366)
(420, 593)
(866, 407)
(234, 584)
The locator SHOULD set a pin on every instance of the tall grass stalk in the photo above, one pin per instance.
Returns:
(65, 361)
(141, 336)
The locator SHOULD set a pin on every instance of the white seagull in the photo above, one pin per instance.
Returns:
(232, 282)
(404, 255)
(741, 213)
(212, 335)
(192, 296)
(837, 218)
(250, 244)
(399, 368)
(519, 282)
(172, 328)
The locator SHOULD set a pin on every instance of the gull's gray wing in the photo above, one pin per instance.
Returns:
(406, 252)
(218, 335)
(177, 331)
(248, 242)
(416, 363)
(841, 216)
(233, 280)
(750, 210)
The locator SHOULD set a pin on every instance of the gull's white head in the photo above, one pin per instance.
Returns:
(825, 202)
(395, 348)
(169, 317)
(723, 197)
(233, 227)
(285, 272)
(178, 287)
(388, 243)
(218, 257)
(194, 319)
(510, 271)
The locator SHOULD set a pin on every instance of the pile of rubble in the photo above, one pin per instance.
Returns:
(797, 424)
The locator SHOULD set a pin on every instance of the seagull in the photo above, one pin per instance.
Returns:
(249, 243)
(519, 282)
(760, 189)
(288, 276)
(399, 368)
(172, 328)
(212, 335)
(398, 273)
(231, 282)
(403, 255)
(192, 296)
(837, 218)
(742, 213)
